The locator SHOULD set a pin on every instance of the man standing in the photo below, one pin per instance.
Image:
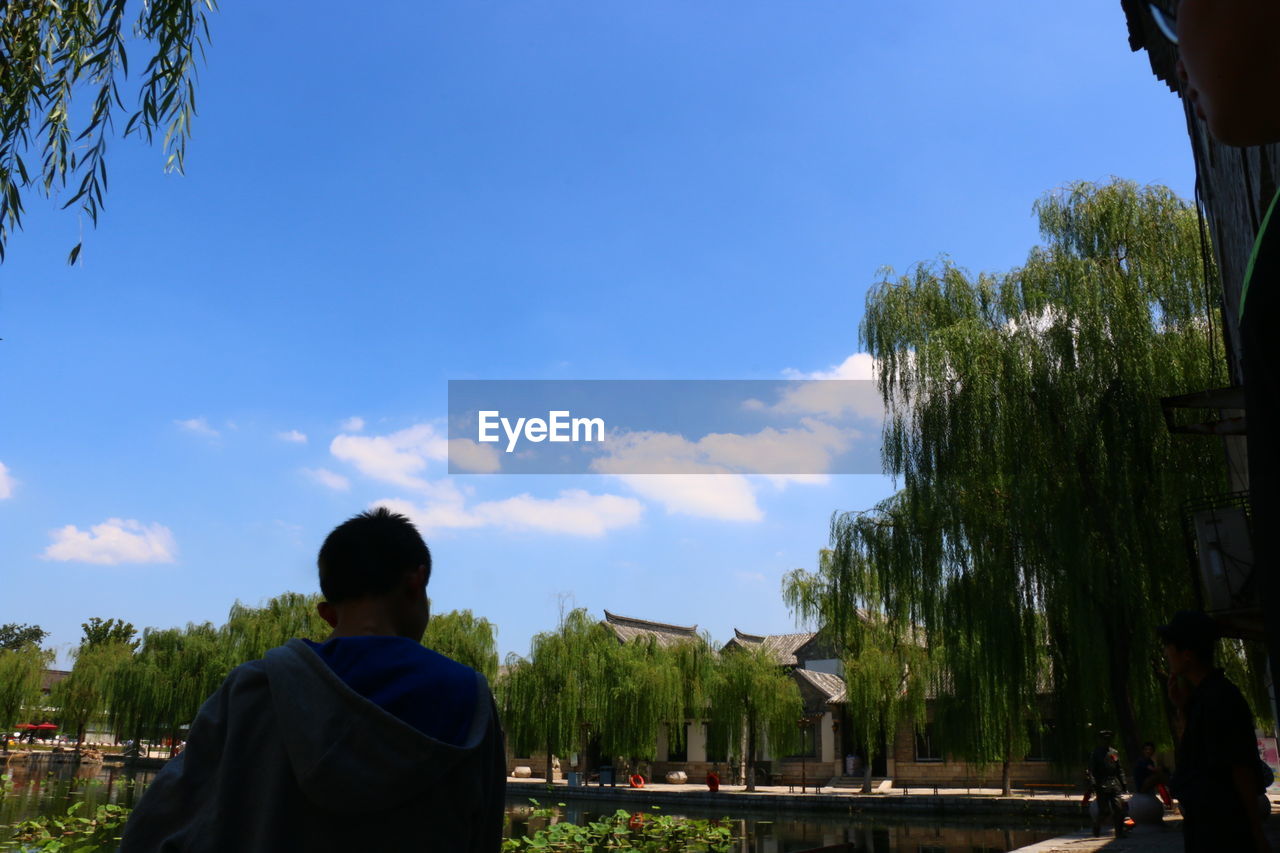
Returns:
(1217, 780)
(1229, 71)
(1107, 779)
(368, 741)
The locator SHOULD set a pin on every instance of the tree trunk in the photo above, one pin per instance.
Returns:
(1118, 650)
(1006, 784)
(751, 754)
(866, 776)
(550, 779)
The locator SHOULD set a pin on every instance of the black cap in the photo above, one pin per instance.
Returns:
(1188, 629)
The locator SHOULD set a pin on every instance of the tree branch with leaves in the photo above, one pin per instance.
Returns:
(62, 66)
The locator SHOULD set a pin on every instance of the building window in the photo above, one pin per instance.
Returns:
(1039, 736)
(927, 748)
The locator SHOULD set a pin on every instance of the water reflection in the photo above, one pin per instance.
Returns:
(39, 785)
(794, 833)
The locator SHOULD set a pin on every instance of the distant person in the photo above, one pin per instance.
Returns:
(1217, 780)
(1149, 777)
(713, 781)
(1107, 782)
(367, 741)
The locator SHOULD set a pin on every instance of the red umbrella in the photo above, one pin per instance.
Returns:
(45, 727)
(24, 726)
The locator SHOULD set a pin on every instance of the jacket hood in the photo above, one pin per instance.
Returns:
(347, 753)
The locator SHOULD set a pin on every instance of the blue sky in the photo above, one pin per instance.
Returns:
(381, 199)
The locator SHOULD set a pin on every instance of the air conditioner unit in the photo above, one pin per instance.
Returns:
(1226, 558)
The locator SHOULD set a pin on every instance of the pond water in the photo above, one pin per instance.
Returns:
(46, 787)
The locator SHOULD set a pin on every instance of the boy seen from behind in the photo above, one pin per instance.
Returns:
(367, 741)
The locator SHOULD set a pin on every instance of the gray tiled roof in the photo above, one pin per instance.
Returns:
(783, 646)
(50, 677)
(831, 686)
(628, 628)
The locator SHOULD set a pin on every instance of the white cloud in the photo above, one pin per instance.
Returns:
(473, 457)
(701, 479)
(572, 512)
(114, 541)
(726, 497)
(353, 424)
(7, 482)
(293, 435)
(807, 448)
(860, 365)
(397, 458)
(199, 426)
(325, 477)
(835, 399)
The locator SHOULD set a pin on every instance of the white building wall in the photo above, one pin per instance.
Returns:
(826, 739)
(833, 666)
(697, 734)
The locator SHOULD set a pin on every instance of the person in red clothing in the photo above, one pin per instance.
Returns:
(713, 781)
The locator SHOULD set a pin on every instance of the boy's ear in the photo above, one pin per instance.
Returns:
(328, 613)
(416, 580)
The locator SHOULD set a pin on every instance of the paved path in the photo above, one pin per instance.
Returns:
(1166, 838)
(918, 801)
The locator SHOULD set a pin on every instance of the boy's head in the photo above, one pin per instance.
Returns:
(1229, 63)
(376, 557)
(1189, 641)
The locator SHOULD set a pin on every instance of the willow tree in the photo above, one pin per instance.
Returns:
(695, 663)
(887, 667)
(466, 638)
(20, 671)
(643, 691)
(158, 692)
(84, 694)
(994, 665)
(1025, 426)
(754, 700)
(554, 698)
(60, 100)
(251, 631)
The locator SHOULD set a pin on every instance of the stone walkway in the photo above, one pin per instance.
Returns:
(920, 801)
(1166, 838)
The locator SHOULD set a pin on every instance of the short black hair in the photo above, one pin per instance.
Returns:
(368, 555)
(1193, 631)
(1148, 743)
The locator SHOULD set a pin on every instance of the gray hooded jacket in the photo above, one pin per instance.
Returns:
(285, 756)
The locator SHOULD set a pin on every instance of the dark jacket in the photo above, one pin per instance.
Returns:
(286, 756)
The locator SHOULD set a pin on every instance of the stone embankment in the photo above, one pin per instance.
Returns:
(957, 802)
